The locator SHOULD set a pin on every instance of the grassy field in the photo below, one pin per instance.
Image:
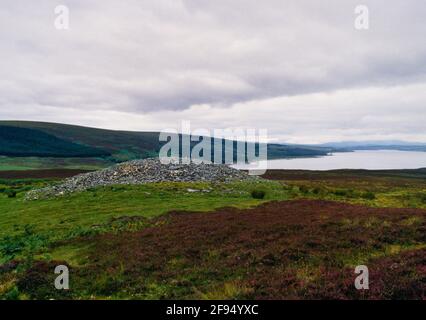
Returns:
(296, 236)
(37, 163)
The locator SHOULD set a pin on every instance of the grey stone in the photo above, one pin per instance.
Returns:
(140, 172)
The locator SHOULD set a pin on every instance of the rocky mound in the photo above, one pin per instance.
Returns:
(142, 171)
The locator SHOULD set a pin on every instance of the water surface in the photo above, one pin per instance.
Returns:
(371, 160)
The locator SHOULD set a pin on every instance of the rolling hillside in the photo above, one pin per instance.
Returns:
(24, 142)
(44, 140)
(122, 145)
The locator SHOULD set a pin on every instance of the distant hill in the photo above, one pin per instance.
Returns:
(376, 145)
(42, 139)
(24, 142)
(121, 145)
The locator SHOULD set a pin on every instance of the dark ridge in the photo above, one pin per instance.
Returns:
(24, 142)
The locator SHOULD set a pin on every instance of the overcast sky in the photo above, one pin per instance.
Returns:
(298, 68)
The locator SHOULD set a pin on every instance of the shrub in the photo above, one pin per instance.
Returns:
(12, 294)
(117, 188)
(316, 190)
(24, 243)
(340, 192)
(351, 193)
(422, 197)
(368, 195)
(258, 194)
(11, 193)
(304, 189)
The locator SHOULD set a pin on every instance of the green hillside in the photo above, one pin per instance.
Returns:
(41, 139)
(24, 142)
(122, 145)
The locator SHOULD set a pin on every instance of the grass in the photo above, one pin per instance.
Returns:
(262, 252)
(35, 163)
(90, 212)
(372, 192)
(92, 231)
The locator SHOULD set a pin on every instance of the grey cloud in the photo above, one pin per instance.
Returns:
(166, 55)
(151, 55)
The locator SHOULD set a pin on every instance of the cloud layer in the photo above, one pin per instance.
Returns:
(298, 68)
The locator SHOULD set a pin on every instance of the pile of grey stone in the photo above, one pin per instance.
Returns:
(142, 171)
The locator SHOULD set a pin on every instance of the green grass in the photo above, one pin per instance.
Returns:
(35, 225)
(67, 217)
(375, 193)
(35, 163)
(50, 229)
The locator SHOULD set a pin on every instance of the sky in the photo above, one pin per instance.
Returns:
(297, 68)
